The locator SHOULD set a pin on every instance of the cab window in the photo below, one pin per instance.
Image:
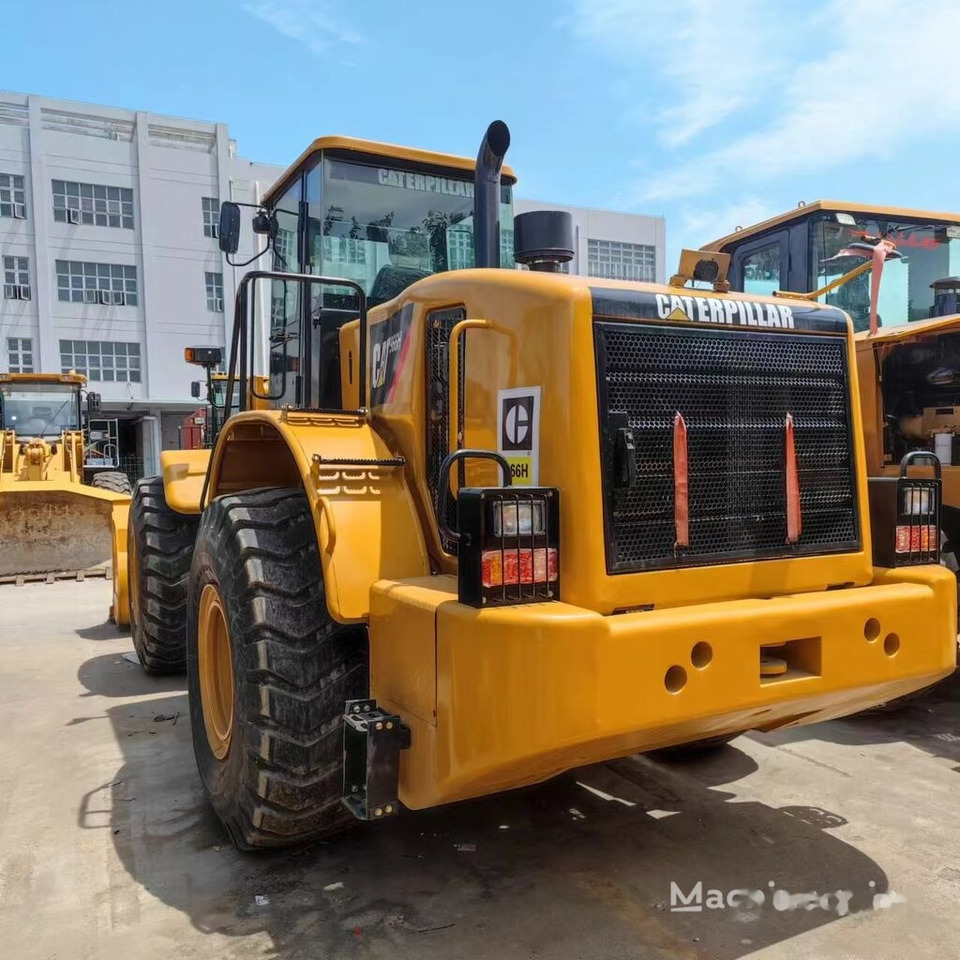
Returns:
(761, 269)
(285, 299)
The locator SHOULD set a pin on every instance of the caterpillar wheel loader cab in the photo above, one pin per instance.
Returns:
(909, 365)
(550, 521)
(56, 509)
(380, 215)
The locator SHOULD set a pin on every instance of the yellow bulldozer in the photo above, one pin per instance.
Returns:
(58, 503)
(895, 271)
(501, 523)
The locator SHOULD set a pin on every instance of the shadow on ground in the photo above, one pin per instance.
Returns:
(552, 870)
(929, 721)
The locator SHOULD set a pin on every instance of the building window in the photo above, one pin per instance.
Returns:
(109, 283)
(13, 196)
(214, 291)
(93, 204)
(211, 217)
(19, 355)
(101, 360)
(613, 260)
(16, 278)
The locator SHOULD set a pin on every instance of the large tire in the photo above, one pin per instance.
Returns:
(159, 550)
(112, 480)
(275, 779)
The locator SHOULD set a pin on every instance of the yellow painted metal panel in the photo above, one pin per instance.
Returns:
(526, 692)
(367, 525)
(403, 642)
(183, 475)
(541, 334)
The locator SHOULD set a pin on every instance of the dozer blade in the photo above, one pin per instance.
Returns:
(50, 531)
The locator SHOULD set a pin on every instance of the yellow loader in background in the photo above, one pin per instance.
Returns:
(907, 325)
(56, 512)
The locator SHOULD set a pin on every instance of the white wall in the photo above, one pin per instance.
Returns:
(170, 165)
(589, 223)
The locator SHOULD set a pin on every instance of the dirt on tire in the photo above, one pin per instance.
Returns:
(159, 551)
(294, 667)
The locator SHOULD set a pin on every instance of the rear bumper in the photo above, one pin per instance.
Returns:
(501, 698)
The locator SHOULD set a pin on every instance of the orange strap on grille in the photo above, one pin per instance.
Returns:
(794, 517)
(681, 489)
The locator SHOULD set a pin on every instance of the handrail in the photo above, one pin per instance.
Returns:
(455, 429)
(241, 363)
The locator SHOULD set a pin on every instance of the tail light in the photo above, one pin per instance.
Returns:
(905, 515)
(508, 539)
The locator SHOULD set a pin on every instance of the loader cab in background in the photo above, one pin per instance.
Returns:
(801, 251)
(41, 407)
(381, 216)
(909, 370)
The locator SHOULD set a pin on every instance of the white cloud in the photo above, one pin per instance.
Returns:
(315, 23)
(864, 80)
(715, 59)
(707, 223)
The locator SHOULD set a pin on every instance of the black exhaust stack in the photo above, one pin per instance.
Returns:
(486, 195)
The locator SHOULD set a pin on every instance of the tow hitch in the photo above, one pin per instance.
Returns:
(372, 741)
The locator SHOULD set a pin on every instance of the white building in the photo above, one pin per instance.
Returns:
(109, 253)
(110, 262)
(615, 246)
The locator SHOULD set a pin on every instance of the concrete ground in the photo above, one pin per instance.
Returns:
(108, 850)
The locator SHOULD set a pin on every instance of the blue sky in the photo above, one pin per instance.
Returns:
(712, 114)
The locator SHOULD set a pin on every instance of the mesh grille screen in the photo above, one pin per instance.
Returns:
(439, 325)
(734, 390)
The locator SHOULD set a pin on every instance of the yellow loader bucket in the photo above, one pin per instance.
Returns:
(44, 530)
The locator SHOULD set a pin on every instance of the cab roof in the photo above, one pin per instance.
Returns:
(911, 331)
(43, 378)
(371, 149)
(829, 206)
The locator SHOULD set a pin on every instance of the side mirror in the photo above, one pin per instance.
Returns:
(93, 404)
(229, 227)
(195, 389)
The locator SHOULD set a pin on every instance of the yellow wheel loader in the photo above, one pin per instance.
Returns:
(501, 523)
(56, 510)
(908, 364)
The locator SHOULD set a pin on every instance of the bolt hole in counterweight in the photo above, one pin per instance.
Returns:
(871, 629)
(701, 655)
(891, 644)
(675, 679)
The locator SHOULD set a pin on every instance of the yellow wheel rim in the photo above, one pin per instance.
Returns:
(133, 577)
(215, 663)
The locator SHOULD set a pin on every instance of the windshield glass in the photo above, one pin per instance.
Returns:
(40, 409)
(385, 227)
(929, 252)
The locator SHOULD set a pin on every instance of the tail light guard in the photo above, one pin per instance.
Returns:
(905, 515)
(507, 538)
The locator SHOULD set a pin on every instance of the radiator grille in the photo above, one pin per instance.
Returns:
(439, 326)
(734, 390)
